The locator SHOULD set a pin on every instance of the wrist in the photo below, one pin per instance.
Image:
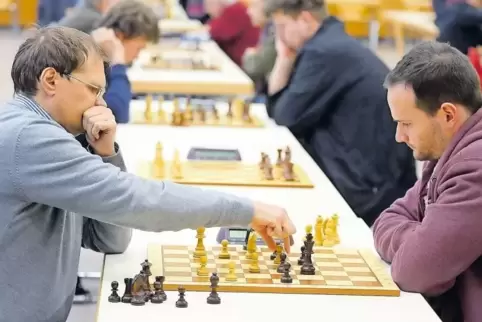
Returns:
(104, 153)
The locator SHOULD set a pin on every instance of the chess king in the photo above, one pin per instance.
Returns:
(70, 188)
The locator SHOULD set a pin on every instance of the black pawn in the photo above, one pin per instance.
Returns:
(156, 297)
(114, 296)
(181, 302)
(286, 278)
(281, 267)
(213, 297)
(300, 260)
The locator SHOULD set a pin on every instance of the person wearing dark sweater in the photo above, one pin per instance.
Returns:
(123, 32)
(231, 28)
(432, 236)
(327, 88)
(459, 23)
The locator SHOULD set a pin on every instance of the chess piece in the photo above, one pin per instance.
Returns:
(246, 117)
(224, 254)
(251, 246)
(254, 267)
(279, 251)
(287, 158)
(268, 172)
(319, 231)
(138, 299)
(300, 260)
(288, 173)
(176, 171)
(161, 115)
(286, 278)
(308, 268)
(160, 291)
(213, 297)
(229, 115)
(127, 297)
(329, 238)
(202, 270)
(148, 110)
(215, 113)
(181, 302)
(157, 297)
(281, 267)
(308, 230)
(177, 115)
(114, 296)
(231, 276)
(279, 160)
(146, 267)
(188, 116)
(200, 249)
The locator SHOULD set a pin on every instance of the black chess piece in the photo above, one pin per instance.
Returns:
(157, 296)
(308, 268)
(213, 297)
(146, 267)
(138, 299)
(286, 278)
(300, 260)
(127, 297)
(281, 267)
(114, 296)
(160, 290)
(181, 302)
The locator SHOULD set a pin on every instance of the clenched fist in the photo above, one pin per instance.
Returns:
(100, 128)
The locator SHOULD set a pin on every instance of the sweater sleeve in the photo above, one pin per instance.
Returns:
(52, 168)
(118, 95)
(448, 240)
(258, 65)
(227, 26)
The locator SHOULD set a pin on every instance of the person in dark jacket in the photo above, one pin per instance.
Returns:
(459, 23)
(327, 88)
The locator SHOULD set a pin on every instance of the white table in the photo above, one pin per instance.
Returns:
(229, 80)
(303, 205)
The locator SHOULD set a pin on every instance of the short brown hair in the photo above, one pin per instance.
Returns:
(295, 7)
(62, 48)
(133, 19)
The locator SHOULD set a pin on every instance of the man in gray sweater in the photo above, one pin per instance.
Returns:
(63, 183)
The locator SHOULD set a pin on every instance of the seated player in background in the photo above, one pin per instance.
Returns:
(231, 28)
(59, 193)
(327, 88)
(432, 236)
(123, 32)
(259, 61)
(459, 23)
(84, 16)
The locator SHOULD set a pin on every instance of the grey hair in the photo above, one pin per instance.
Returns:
(294, 7)
(132, 19)
(61, 48)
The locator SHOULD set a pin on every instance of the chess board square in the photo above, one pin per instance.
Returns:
(329, 277)
(328, 264)
(322, 250)
(177, 264)
(313, 282)
(225, 266)
(225, 270)
(363, 278)
(259, 280)
(240, 280)
(310, 277)
(256, 275)
(323, 256)
(178, 272)
(200, 279)
(263, 268)
(340, 252)
(361, 270)
(178, 279)
(231, 257)
(351, 260)
(334, 273)
(339, 283)
(330, 268)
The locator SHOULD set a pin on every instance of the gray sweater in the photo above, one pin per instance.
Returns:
(56, 196)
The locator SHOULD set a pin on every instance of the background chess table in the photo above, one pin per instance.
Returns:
(339, 271)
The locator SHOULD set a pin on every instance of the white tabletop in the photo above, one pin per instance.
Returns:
(303, 205)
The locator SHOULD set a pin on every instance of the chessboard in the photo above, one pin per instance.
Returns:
(283, 173)
(180, 63)
(238, 115)
(338, 271)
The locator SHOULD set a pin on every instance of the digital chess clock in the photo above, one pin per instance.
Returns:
(214, 154)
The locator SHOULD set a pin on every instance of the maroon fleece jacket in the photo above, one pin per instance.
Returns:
(433, 235)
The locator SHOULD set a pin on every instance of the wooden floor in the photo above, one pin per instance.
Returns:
(10, 43)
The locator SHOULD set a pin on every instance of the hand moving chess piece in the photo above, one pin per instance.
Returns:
(114, 297)
(202, 270)
(254, 267)
(181, 302)
(200, 249)
(224, 254)
(231, 276)
(213, 297)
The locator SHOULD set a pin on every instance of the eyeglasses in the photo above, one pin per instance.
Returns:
(100, 91)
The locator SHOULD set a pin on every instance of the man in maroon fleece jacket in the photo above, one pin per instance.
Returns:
(231, 28)
(433, 235)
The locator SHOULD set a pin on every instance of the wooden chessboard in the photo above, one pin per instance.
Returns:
(179, 64)
(139, 117)
(226, 173)
(338, 271)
